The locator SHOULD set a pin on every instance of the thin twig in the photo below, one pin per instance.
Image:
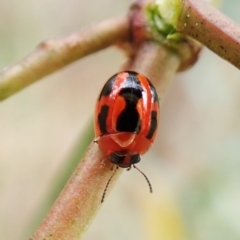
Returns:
(53, 55)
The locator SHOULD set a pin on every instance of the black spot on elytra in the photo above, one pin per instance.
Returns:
(153, 125)
(129, 119)
(102, 119)
(107, 88)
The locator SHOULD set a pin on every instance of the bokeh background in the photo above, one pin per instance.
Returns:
(194, 166)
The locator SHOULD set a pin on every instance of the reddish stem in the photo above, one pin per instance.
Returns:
(55, 54)
(78, 203)
(212, 28)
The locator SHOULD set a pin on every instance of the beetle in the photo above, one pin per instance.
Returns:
(126, 118)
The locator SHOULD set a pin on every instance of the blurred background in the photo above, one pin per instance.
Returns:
(194, 166)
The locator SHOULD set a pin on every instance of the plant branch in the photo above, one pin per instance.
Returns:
(158, 63)
(53, 55)
(80, 200)
(209, 26)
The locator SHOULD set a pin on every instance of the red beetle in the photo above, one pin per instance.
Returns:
(126, 118)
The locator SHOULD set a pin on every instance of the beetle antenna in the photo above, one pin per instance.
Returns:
(149, 184)
(108, 182)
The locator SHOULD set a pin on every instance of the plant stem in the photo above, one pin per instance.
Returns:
(80, 200)
(77, 152)
(158, 63)
(52, 55)
(206, 24)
